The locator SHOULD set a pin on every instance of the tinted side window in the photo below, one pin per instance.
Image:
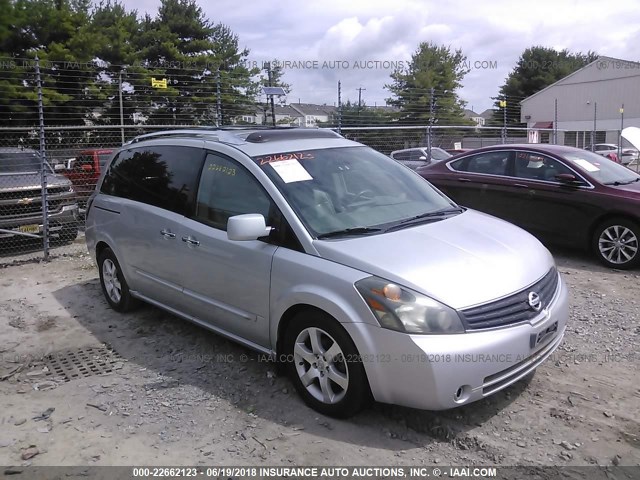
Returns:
(534, 166)
(165, 177)
(401, 156)
(490, 163)
(227, 189)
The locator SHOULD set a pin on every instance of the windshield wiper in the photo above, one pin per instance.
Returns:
(349, 231)
(425, 216)
(617, 182)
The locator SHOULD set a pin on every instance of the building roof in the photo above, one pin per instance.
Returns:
(487, 114)
(589, 65)
(470, 113)
(313, 109)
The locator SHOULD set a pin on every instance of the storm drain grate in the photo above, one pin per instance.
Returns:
(84, 362)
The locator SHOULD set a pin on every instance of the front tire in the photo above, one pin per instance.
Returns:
(114, 285)
(324, 365)
(616, 243)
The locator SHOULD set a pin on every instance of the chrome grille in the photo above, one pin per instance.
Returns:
(514, 308)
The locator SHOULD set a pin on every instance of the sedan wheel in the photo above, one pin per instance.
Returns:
(617, 244)
(324, 365)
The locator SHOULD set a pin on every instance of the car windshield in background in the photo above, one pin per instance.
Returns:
(437, 154)
(19, 162)
(601, 168)
(352, 190)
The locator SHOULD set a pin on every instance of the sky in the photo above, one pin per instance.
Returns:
(360, 41)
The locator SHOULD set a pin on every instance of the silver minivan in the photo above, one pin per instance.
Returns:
(357, 275)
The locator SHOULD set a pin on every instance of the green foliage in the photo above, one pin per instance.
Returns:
(537, 68)
(85, 51)
(432, 69)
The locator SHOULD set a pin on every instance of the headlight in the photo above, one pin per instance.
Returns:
(404, 310)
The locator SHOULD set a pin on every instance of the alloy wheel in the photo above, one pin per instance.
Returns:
(111, 282)
(320, 365)
(618, 244)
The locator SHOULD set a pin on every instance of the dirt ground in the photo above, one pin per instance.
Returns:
(175, 394)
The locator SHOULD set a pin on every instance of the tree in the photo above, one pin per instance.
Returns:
(537, 68)
(47, 29)
(429, 84)
(184, 47)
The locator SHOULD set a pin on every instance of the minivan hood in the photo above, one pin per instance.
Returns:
(462, 261)
(31, 181)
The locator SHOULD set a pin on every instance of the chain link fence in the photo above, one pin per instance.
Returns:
(61, 123)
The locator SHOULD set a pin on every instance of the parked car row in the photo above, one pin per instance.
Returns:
(563, 195)
(610, 150)
(361, 278)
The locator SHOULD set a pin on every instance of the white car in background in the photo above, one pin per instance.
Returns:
(628, 156)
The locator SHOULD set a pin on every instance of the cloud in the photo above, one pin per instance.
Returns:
(335, 30)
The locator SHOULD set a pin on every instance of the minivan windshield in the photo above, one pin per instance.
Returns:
(353, 191)
(602, 169)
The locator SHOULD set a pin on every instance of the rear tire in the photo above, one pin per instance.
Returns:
(114, 285)
(616, 243)
(324, 365)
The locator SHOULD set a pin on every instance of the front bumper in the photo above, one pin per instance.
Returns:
(438, 372)
(66, 217)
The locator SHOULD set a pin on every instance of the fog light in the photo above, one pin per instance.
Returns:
(462, 394)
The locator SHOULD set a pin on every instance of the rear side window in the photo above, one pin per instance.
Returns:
(490, 163)
(164, 177)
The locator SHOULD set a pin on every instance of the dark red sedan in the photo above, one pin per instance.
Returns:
(563, 195)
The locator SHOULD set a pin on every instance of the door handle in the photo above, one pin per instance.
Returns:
(167, 234)
(464, 180)
(520, 185)
(191, 241)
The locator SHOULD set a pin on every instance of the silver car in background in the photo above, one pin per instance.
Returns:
(354, 272)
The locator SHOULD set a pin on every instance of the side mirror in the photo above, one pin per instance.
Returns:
(567, 178)
(59, 167)
(250, 226)
(423, 158)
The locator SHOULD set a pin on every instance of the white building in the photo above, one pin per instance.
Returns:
(588, 104)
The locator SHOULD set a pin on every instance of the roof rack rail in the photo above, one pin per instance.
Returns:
(171, 133)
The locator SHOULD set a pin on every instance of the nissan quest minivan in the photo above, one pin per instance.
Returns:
(364, 280)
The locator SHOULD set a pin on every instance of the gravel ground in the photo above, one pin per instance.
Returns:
(179, 395)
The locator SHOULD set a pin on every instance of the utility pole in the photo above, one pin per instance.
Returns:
(273, 108)
(339, 107)
(121, 109)
(360, 98)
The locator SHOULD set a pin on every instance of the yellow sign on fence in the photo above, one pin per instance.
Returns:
(159, 83)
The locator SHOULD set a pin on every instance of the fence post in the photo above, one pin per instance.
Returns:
(218, 102)
(121, 107)
(339, 109)
(43, 167)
